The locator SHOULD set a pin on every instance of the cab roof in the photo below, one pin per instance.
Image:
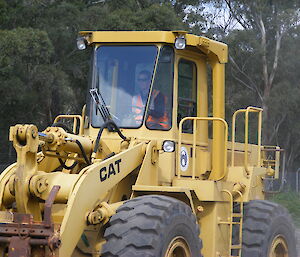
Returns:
(208, 46)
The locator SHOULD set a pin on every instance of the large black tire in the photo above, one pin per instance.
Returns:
(147, 225)
(268, 231)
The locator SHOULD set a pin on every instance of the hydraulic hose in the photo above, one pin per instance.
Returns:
(75, 163)
(65, 166)
(83, 152)
(106, 125)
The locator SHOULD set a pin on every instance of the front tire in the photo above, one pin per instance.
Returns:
(152, 226)
(268, 231)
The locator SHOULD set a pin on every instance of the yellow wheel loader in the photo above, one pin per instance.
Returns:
(145, 170)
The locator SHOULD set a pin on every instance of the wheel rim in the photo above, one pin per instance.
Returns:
(279, 247)
(178, 247)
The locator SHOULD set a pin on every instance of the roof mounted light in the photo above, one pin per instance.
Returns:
(81, 43)
(180, 42)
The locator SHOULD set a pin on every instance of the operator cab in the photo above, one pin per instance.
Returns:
(153, 85)
(150, 79)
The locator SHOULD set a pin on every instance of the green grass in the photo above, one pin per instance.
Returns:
(291, 201)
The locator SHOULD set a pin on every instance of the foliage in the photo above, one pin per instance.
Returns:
(34, 89)
(42, 72)
(291, 201)
(263, 36)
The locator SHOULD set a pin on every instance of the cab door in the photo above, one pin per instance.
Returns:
(192, 102)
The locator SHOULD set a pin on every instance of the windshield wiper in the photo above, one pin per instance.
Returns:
(108, 121)
(100, 104)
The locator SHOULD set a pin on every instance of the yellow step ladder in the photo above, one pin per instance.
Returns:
(235, 219)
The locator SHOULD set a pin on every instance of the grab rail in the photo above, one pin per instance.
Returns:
(246, 111)
(194, 142)
(75, 120)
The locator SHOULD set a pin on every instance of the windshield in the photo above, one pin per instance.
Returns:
(121, 73)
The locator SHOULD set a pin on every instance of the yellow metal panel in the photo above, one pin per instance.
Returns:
(253, 183)
(160, 188)
(218, 112)
(215, 237)
(206, 45)
(4, 178)
(209, 46)
(148, 174)
(65, 181)
(166, 167)
(129, 36)
(206, 190)
(87, 192)
(166, 189)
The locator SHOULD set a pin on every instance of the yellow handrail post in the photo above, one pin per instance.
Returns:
(74, 117)
(233, 135)
(246, 141)
(74, 125)
(246, 135)
(179, 147)
(194, 146)
(259, 137)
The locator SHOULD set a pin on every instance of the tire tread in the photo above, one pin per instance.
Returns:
(134, 229)
(258, 218)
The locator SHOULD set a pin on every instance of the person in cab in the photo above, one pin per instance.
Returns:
(156, 116)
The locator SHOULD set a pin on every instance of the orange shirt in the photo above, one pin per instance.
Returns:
(138, 107)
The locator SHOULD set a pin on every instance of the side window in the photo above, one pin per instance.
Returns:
(187, 93)
(159, 114)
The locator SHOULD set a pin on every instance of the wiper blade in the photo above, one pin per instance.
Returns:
(100, 104)
(108, 122)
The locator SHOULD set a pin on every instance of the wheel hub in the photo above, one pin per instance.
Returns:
(279, 247)
(178, 247)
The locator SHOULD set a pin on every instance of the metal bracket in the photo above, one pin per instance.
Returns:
(21, 232)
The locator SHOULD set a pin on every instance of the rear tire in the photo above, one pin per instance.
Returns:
(152, 226)
(268, 231)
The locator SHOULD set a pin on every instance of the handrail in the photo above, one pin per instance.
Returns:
(194, 142)
(246, 111)
(277, 150)
(74, 117)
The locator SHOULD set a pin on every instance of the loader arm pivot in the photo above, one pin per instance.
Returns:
(80, 193)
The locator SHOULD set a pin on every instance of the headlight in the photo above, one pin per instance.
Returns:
(168, 146)
(180, 42)
(81, 43)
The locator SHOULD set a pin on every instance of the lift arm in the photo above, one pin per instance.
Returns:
(95, 181)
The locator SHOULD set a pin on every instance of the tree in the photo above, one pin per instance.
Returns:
(42, 74)
(28, 79)
(268, 22)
